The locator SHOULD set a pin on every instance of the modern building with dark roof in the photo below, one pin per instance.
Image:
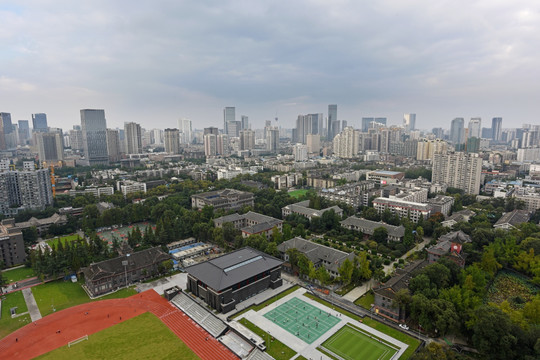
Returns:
(367, 227)
(225, 281)
(512, 219)
(302, 208)
(112, 274)
(251, 223)
(226, 199)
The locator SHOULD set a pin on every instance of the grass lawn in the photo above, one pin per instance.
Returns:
(7, 324)
(64, 294)
(123, 341)
(366, 300)
(351, 344)
(275, 348)
(298, 193)
(267, 302)
(18, 274)
(67, 238)
(396, 334)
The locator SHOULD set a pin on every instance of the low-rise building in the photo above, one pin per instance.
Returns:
(512, 219)
(302, 208)
(226, 199)
(412, 210)
(385, 177)
(354, 194)
(441, 204)
(367, 227)
(449, 246)
(42, 225)
(251, 223)
(462, 215)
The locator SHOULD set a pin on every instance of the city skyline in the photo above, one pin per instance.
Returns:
(150, 65)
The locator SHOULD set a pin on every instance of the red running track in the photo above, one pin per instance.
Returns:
(56, 330)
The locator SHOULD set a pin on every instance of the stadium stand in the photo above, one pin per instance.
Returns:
(199, 314)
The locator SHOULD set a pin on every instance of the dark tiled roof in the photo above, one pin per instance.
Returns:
(369, 226)
(400, 280)
(514, 218)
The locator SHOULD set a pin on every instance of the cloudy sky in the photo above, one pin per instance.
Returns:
(155, 61)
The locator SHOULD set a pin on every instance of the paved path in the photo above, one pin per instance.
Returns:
(359, 290)
(31, 304)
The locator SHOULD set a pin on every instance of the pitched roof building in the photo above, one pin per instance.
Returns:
(450, 246)
(367, 227)
(251, 223)
(302, 208)
(227, 199)
(512, 219)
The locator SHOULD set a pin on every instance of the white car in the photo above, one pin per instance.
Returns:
(404, 327)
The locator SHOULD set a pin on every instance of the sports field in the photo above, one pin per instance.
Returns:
(353, 344)
(121, 233)
(298, 193)
(302, 319)
(123, 341)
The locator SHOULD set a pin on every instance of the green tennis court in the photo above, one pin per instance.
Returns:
(353, 344)
(302, 319)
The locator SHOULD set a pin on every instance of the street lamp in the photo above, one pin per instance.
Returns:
(268, 347)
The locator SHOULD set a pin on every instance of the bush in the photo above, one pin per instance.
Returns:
(386, 262)
(401, 261)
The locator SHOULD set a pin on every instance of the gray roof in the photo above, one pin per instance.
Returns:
(267, 225)
(317, 252)
(401, 279)
(303, 208)
(222, 272)
(228, 218)
(514, 218)
(456, 236)
(368, 226)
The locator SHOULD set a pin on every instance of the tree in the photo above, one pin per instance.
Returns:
(380, 234)
(272, 249)
(30, 235)
(303, 264)
(494, 334)
(362, 269)
(323, 276)
(435, 351)
(346, 271)
(489, 264)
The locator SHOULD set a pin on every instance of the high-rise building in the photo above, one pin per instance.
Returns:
(229, 114)
(475, 127)
(133, 138)
(332, 118)
(346, 143)
(426, 149)
(314, 143)
(113, 145)
(210, 145)
(75, 139)
(222, 146)
(245, 122)
(172, 141)
(233, 128)
(50, 146)
(457, 131)
(247, 139)
(184, 127)
(11, 244)
(370, 122)
(409, 122)
(272, 139)
(39, 122)
(211, 130)
(7, 138)
(24, 131)
(157, 136)
(458, 170)
(486, 133)
(300, 152)
(496, 128)
(94, 134)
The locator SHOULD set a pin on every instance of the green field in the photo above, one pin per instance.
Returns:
(298, 193)
(366, 300)
(301, 319)
(274, 347)
(7, 324)
(18, 274)
(352, 344)
(68, 238)
(124, 341)
(61, 295)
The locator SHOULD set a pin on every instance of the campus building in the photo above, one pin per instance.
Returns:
(251, 223)
(226, 199)
(412, 210)
(302, 208)
(449, 246)
(367, 227)
(11, 243)
(226, 281)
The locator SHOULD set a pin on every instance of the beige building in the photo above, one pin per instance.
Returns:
(346, 143)
(172, 141)
(427, 148)
(313, 143)
(113, 145)
(458, 170)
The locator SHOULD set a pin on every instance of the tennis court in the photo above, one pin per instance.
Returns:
(354, 344)
(302, 319)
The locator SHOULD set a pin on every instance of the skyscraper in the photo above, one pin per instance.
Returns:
(229, 114)
(345, 143)
(222, 146)
(24, 131)
(475, 127)
(94, 134)
(50, 146)
(367, 122)
(113, 145)
(39, 122)
(133, 138)
(496, 128)
(272, 139)
(457, 131)
(210, 145)
(211, 130)
(409, 122)
(247, 139)
(458, 170)
(8, 138)
(185, 130)
(172, 141)
(332, 117)
(245, 122)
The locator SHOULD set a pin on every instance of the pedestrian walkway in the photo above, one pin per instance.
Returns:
(31, 304)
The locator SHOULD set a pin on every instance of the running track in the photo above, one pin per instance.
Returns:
(42, 336)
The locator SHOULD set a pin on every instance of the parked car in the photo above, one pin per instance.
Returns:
(404, 327)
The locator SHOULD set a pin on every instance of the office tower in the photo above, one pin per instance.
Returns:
(39, 122)
(336, 128)
(332, 118)
(94, 135)
(458, 170)
(370, 122)
(75, 139)
(211, 130)
(496, 128)
(343, 124)
(172, 141)
(473, 144)
(7, 138)
(345, 144)
(50, 146)
(229, 114)
(475, 127)
(247, 139)
(245, 122)
(113, 145)
(133, 138)
(184, 127)
(300, 152)
(409, 122)
(314, 144)
(24, 131)
(222, 145)
(457, 131)
(210, 145)
(233, 128)
(272, 139)
(486, 133)
(438, 132)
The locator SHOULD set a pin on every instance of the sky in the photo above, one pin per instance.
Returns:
(153, 62)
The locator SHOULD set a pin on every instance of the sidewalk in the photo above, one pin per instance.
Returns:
(31, 304)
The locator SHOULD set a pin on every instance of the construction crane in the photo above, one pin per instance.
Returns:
(53, 180)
